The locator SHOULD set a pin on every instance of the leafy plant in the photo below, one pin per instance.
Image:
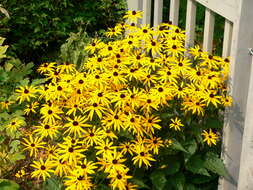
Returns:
(37, 29)
(139, 113)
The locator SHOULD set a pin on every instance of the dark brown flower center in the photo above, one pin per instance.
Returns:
(46, 126)
(160, 89)
(92, 134)
(142, 154)
(71, 150)
(174, 47)
(119, 176)
(75, 123)
(80, 178)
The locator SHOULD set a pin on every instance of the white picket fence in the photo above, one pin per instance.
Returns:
(238, 39)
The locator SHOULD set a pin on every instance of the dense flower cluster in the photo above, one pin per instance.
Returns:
(105, 117)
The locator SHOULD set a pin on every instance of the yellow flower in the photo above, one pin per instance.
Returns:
(143, 157)
(50, 113)
(176, 124)
(105, 147)
(46, 129)
(31, 108)
(14, 124)
(77, 181)
(33, 145)
(5, 104)
(119, 179)
(133, 16)
(75, 126)
(71, 154)
(209, 137)
(25, 93)
(43, 169)
(61, 166)
(86, 167)
(20, 173)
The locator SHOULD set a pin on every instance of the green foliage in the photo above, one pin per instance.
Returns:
(8, 185)
(37, 29)
(12, 74)
(52, 183)
(73, 50)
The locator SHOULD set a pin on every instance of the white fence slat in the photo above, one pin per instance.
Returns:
(174, 11)
(146, 12)
(133, 4)
(242, 39)
(246, 166)
(158, 12)
(222, 8)
(190, 23)
(228, 29)
(208, 30)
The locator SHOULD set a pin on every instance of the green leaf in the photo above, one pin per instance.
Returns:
(16, 156)
(173, 167)
(38, 82)
(139, 183)
(52, 184)
(14, 146)
(177, 146)
(178, 181)
(2, 138)
(213, 122)
(215, 164)
(8, 66)
(3, 49)
(200, 179)
(190, 187)
(196, 165)
(158, 179)
(191, 146)
(8, 185)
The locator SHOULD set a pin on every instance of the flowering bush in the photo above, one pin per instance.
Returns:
(142, 112)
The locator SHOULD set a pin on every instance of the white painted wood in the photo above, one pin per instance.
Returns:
(240, 68)
(224, 8)
(158, 12)
(133, 4)
(228, 29)
(146, 12)
(208, 30)
(246, 166)
(174, 11)
(190, 23)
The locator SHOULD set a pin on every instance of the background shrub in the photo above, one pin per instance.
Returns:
(36, 29)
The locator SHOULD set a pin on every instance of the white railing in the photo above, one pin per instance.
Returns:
(238, 38)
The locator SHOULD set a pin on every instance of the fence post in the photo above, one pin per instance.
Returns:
(190, 23)
(133, 4)
(235, 124)
(158, 12)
